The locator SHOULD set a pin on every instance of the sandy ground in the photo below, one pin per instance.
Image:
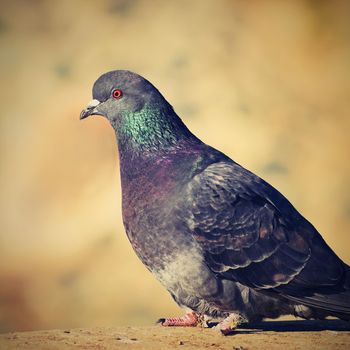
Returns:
(330, 334)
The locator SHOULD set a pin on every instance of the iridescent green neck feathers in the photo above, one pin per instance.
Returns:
(152, 129)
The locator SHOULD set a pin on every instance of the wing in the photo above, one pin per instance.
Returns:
(250, 233)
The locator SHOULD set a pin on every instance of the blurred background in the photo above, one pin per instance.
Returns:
(267, 82)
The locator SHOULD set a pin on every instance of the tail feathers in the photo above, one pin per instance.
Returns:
(335, 301)
(347, 278)
(335, 304)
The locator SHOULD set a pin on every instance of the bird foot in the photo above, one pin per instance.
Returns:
(191, 319)
(229, 324)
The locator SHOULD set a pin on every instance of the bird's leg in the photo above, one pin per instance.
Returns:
(230, 323)
(191, 319)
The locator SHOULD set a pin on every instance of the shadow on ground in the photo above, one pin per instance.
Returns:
(297, 326)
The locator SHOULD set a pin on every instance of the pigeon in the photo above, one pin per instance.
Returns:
(226, 244)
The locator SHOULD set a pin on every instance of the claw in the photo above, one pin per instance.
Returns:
(160, 321)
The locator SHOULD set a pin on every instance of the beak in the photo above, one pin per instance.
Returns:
(90, 109)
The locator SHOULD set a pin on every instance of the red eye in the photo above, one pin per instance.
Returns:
(117, 93)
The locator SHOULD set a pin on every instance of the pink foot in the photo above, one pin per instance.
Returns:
(229, 324)
(191, 319)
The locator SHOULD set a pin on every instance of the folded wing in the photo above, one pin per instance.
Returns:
(251, 234)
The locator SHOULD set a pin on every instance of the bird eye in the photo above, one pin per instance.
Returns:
(117, 93)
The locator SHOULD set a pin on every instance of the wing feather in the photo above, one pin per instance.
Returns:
(250, 233)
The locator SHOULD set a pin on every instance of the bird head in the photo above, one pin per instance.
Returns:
(143, 120)
(120, 92)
